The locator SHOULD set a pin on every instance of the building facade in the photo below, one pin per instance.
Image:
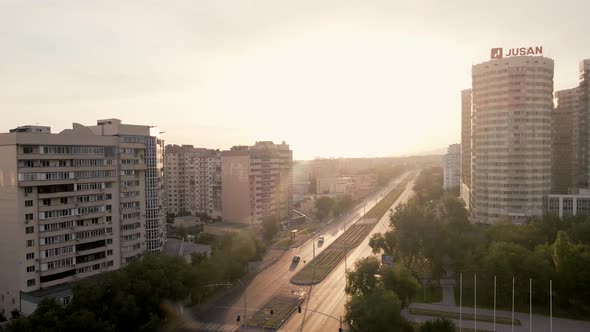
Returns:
(130, 138)
(452, 167)
(564, 132)
(566, 205)
(511, 133)
(193, 179)
(466, 137)
(257, 182)
(72, 205)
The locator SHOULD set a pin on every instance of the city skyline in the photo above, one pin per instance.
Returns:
(333, 80)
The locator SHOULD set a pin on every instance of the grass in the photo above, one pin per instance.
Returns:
(432, 295)
(282, 308)
(465, 316)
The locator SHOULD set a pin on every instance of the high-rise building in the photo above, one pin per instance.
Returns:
(564, 129)
(193, 179)
(466, 137)
(257, 182)
(133, 137)
(452, 167)
(582, 127)
(512, 106)
(72, 205)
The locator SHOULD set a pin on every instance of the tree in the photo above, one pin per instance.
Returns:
(401, 281)
(270, 227)
(365, 278)
(342, 204)
(438, 325)
(323, 206)
(375, 311)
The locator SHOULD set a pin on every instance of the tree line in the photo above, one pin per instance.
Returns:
(431, 235)
(140, 296)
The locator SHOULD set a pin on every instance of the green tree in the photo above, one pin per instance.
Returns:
(323, 206)
(438, 325)
(365, 277)
(401, 281)
(342, 204)
(375, 311)
(270, 227)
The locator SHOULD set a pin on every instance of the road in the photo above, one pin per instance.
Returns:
(328, 296)
(275, 280)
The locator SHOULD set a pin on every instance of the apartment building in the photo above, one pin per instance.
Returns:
(131, 139)
(511, 135)
(193, 180)
(257, 182)
(452, 167)
(72, 205)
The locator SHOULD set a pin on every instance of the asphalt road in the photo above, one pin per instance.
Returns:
(275, 280)
(328, 297)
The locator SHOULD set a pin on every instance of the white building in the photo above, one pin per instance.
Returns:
(193, 178)
(452, 167)
(72, 205)
(511, 135)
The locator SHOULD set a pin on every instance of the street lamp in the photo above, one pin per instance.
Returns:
(245, 308)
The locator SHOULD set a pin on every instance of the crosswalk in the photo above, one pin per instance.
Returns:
(207, 326)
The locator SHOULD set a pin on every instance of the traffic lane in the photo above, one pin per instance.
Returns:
(275, 279)
(329, 296)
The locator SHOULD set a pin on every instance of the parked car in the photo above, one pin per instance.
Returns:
(321, 239)
(296, 259)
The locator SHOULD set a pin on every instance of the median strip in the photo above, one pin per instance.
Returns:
(317, 269)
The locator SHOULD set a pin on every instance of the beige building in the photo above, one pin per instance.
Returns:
(466, 137)
(512, 106)
(257, 182)
(72, 205)
(193, 179)
(335, 185)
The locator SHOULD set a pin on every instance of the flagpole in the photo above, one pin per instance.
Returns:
(512, 304)
(494, 303)
(460, 301)
(550, 305)
(530, 304)
(475, 299)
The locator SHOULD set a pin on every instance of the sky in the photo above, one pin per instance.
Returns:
(331, 78)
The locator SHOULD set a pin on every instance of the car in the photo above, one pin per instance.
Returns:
(296, 259)
(321, 239)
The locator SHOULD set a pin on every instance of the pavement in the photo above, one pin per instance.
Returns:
(274, 280)
(328, 297)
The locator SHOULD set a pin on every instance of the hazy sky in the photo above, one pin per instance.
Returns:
(331, 78)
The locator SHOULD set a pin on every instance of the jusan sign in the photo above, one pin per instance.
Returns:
(498, 53)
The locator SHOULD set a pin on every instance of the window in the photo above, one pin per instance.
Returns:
(66, 300)
(109, 218)
(27, 149)
(28, 203)
(63, 200)
(28, 190)
(30, 282)
(30, 243)
(46, 202)
(109, 252)
(29, 229)
(31, 268)
(109, 241)
(30, 256)
(29, 216)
